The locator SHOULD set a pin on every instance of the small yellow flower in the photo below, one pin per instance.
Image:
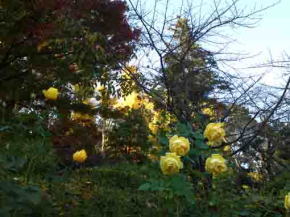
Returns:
(93, 102)
(100, 87)
(51, 93)
(216, 164)
(215, 133)
(245, 187)
(208, 111)
(80, 156)
(179, 145)
(42, 45)
(153, 127)
(153, 157)
(227, 148)
(170, 164)
(69, 132)
(255, 176)
(287, 202)
(76, 88)
(77, 116)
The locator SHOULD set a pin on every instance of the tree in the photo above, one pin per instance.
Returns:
(57, 43)
(67, 45)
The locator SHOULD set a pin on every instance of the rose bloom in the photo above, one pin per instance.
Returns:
(51, 93)
(287, 202)
(215, 133)
(80, 156)
(216, 164)
(179, 145)
(170, 164)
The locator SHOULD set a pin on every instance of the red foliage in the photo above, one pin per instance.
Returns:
(41, 31)
(53, 5)
(102, 16)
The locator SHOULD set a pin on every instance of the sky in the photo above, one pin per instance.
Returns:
(269, 39)
(272, 32)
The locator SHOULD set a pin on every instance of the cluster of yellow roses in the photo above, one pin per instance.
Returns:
(171, 162)
(180, 146)
(215, 134)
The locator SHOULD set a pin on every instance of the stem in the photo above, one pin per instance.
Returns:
(103, 135)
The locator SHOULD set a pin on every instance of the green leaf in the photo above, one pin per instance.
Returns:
(184, 130)
(33, 194)
(201, 145)
(145, 187)
(198, 135)
(244, 213)
(162, 139)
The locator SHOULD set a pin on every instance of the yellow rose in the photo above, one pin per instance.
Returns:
(255, 176)
(51, 93)
(80, 156)
(215, 133)
(179, 145)
(287, 202)
(215, 164)
(170, 164)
